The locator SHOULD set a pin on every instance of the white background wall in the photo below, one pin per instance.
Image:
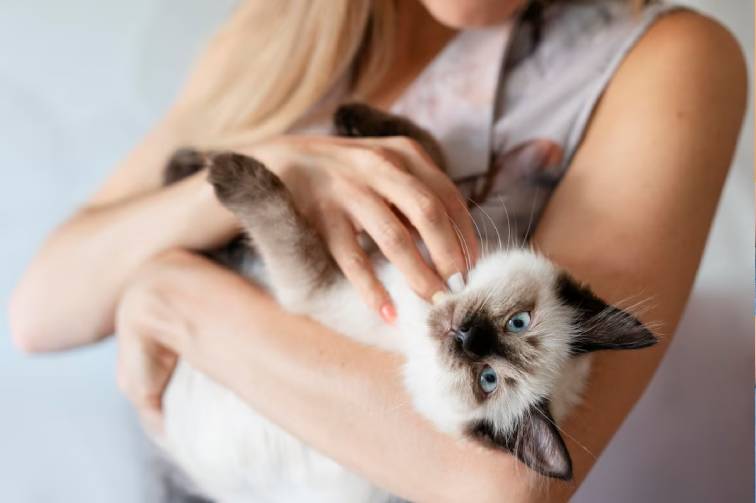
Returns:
(81, 80)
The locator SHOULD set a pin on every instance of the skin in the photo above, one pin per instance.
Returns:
(463, 14)
(630, 218)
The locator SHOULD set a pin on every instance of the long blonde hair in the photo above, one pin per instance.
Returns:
(275, 59)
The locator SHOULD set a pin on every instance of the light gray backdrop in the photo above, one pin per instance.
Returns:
(81, 81)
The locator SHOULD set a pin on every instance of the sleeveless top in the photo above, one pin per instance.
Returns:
(510, 107)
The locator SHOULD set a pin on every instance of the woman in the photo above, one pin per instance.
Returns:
(623, 117)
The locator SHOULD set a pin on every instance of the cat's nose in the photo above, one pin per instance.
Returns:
(476, 338)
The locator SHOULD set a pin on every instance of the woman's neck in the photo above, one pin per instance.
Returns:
(419, 39)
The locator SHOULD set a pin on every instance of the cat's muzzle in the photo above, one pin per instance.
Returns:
(475, 338)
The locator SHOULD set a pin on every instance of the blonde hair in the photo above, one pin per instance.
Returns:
(275, 59)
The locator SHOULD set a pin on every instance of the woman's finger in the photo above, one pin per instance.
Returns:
(422, 166)
(395, 241)
(341, 239)
(428, 215)
(144, 366)
(418, 203)
(459, 215)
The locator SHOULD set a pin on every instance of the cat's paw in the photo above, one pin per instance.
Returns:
(358, 120)
(184, 162)
(239, 179)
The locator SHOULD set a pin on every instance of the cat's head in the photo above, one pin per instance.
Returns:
(500, 349)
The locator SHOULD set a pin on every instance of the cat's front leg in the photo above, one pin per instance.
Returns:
(296, 260)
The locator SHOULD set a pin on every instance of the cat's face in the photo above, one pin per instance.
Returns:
(501, 346)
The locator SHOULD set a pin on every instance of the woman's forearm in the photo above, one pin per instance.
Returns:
(68, 294)
(345, 399)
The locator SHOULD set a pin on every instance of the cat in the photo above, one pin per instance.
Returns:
(501, 362)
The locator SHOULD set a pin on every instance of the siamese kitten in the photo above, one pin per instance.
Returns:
(500, 362)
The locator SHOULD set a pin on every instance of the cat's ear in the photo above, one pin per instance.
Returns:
(535, 441)
(601, 326)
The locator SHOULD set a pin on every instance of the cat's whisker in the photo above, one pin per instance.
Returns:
(465, 248)
(612, 316)
(469, 214)
(402, 405)
(484, 238)
(491, 220)
(483, 235)
(475, 224)
(568, 435)
(509, 223)
(640, 306)
(509, 227)
(526, 236)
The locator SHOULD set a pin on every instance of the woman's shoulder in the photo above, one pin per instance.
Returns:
(592, 38)
(562, 70)
(685, 54)
(686, 66)
(690, 40)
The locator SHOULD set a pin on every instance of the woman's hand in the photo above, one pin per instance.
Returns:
(386, 187)
(145, 364)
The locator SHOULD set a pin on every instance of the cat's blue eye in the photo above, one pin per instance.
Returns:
(519, 322)
(488, 380)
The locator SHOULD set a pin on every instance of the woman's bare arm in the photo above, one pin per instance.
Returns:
(631, 218)
(633, 213)
(68, 294)
(345, 399)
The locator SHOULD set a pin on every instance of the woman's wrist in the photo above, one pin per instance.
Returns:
(275, 153)
(206, 224)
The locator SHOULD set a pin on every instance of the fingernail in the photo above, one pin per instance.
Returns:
(438, 297)
(388, 313)
(456, 282)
